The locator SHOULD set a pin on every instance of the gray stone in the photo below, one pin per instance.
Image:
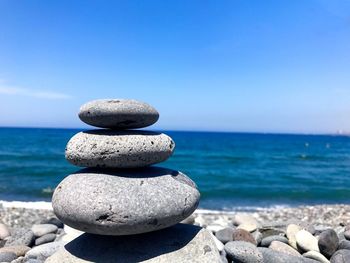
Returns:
(284, 248)
(21, 236)
(243, 235)
(44, 251)
(225, 235)
(347, 234)
(344, 244)
(7, 256)
(118, 114)
(180, 243)
(243, 252)
(43, 229)
(320, 228)
(341, 256)
(273, 256)
(306, 241)
(4, 231)
(54, 221)
(316, 256)
(19, 250)
(125, 202)
(45, 239)
(118, 149)
(328, 242)
(341, 236)
(265, 242)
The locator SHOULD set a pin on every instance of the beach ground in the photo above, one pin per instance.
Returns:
(25, 214)
(261, 223)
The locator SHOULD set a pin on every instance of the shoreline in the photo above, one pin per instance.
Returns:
(12, 212)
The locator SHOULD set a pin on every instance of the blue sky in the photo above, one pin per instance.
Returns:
(237, 65)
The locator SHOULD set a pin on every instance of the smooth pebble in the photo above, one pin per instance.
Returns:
(243, 252)
(118, 113)
(125, 202)
(118, 149)
(43, 229)
(328, 242)
(284, 248)
(306, 241)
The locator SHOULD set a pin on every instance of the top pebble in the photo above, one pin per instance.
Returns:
(118, 114)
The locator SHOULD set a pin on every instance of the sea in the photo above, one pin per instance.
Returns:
(233, 171)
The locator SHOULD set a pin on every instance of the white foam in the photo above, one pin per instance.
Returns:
(48, 206)
(29, 205)
(234, 210)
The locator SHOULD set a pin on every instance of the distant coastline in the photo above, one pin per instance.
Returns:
(336, 133)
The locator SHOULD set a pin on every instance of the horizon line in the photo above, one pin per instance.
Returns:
(193, 130)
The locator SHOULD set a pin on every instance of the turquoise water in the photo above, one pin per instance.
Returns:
(232, 170)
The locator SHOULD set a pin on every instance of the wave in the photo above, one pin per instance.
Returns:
(42, 205)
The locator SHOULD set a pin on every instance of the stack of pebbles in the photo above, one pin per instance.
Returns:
(119, 197)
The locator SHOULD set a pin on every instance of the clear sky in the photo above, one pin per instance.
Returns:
(235, 65)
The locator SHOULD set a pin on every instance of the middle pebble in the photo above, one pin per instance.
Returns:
(118, 149)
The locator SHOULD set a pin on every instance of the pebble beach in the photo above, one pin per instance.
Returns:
(264, 225)
(120, 208)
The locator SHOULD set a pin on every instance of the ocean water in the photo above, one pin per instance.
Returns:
(234, 171)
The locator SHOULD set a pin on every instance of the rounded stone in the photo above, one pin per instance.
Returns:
(43, 229)
(225, 235)
(347, 234)
(45, 239)
(243, 235)
(118, 149)
(118, 114)
(243, 252)
(284, 248)
(20, 236)
(125, 202)
(306, 241)
(19, 250)
(328, 242)
(273, 256)
(7, 256)
(53, 221)
(44, 251)
(341, 256)
(344, 244)
(180, 243)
